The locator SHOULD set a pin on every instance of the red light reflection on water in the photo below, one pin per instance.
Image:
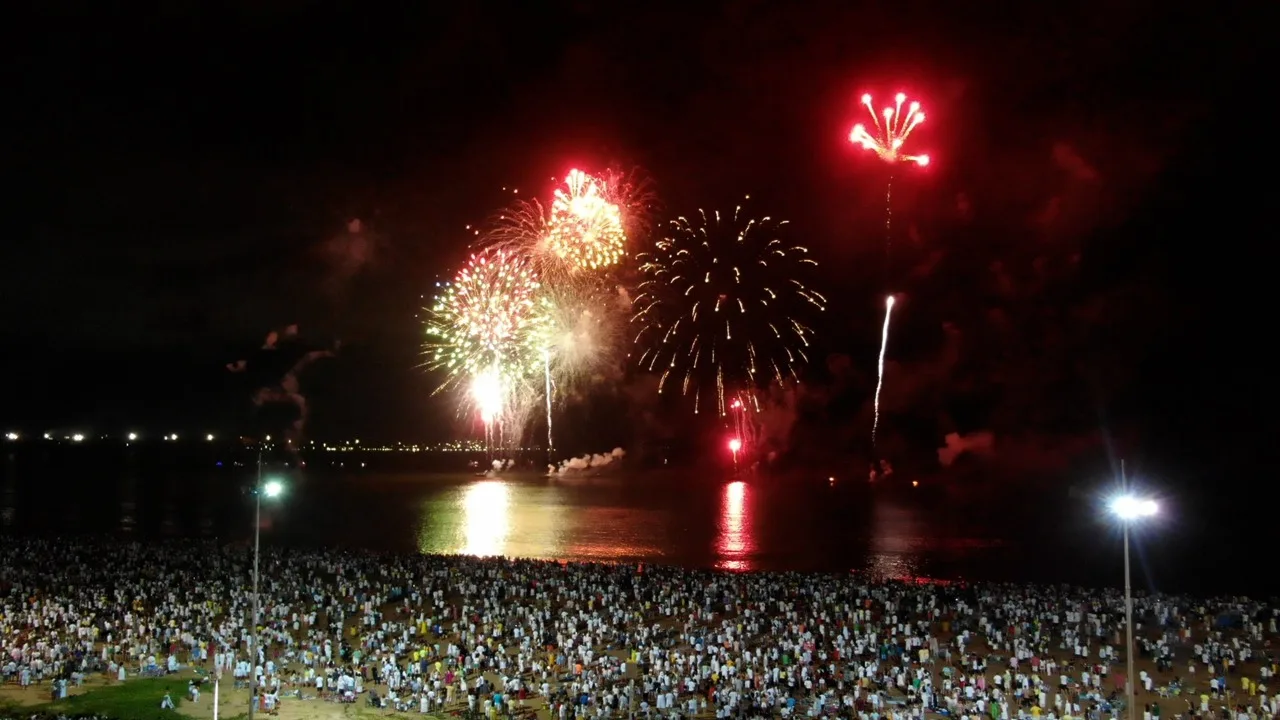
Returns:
(614, 535)
(734, 542)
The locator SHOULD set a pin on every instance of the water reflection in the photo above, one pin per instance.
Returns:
(486, 518)
(735, 543)
(610, 533)
(897, 541)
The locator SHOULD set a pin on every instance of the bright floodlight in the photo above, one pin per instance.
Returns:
(735, 445)
(273, 488)
(77, 437)
(1128, 507)
(133, 436)
(209, 437)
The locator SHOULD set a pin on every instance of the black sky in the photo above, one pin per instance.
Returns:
(181, 176)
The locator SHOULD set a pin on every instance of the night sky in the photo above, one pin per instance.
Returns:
(1084, 263)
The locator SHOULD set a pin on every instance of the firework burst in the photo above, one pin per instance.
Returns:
(892, 128)
(584, 227)
(722, 305)
(582, 231)
(482, 322)
(578, 331)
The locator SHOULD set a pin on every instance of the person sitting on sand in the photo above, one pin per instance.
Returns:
(166, 703)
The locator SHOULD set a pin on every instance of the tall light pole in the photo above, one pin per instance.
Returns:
(1130, 509)
(272, 489)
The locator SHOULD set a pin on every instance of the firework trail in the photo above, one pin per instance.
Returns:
(577, 337)
(892, 129)
(884, 343)
(722, 305)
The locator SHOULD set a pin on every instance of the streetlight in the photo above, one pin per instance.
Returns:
(1130, 509)
(272, 489)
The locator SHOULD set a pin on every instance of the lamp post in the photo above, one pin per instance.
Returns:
(1130, 509)
(272, 489)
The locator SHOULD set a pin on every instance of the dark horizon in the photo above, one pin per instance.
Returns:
(1072, 264)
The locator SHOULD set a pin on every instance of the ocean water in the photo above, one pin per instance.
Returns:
(681, 518)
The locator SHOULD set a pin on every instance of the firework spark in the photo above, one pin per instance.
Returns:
(721, 307)
(487, 392)
(746, 428)
(892, 128)
(884, 343)
(632, 191)
(484, 319)
(585, 228)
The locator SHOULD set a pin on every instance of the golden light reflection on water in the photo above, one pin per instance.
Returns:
(496, 517)
(486, 518)
(735, 543)
(896, 542)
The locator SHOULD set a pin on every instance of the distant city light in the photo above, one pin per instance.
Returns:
(356, 445)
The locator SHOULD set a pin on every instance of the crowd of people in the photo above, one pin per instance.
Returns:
(497, 637)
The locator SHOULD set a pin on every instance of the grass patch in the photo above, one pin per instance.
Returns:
(134, 700)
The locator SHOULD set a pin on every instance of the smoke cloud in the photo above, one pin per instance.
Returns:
(587, 463)
(349, 252)
(774, 422)
(287, 388)
(955, 445)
